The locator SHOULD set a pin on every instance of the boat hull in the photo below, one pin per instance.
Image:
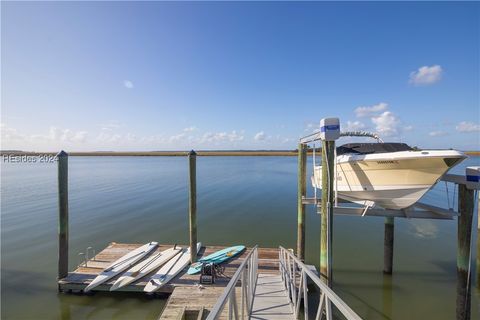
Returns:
(393, 180)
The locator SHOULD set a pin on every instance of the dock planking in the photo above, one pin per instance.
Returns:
(77, 280)
(188, 302)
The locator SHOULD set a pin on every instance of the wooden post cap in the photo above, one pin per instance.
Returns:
(62, 154)
(192, 153)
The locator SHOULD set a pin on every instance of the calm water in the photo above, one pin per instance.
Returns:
(241, 200)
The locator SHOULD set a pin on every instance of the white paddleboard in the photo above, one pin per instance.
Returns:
(170, 270)
(146, 266)
(121, 264)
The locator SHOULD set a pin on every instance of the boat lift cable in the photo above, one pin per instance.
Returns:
(448, 196)
(328, 181)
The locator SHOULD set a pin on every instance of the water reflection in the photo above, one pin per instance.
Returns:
(387, 296)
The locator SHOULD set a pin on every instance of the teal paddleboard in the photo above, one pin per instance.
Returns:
(216, 257)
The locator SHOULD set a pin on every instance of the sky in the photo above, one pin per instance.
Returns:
(236, 75)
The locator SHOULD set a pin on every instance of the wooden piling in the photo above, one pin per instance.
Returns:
(326, 229)
(192, 204)
(464, 280)
(388, 245)
(301, 192)
(62, 214)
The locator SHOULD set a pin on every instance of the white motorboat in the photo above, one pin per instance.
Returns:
(390, 175)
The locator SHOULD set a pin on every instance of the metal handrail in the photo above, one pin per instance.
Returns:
(290, 266)
(247, 274)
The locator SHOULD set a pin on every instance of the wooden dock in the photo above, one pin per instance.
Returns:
(77, 280)
(194, 302)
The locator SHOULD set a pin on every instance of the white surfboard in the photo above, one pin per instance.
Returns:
(170, 270)
(121, 264)
(146, 266)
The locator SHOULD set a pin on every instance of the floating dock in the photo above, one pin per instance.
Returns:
(77, 280)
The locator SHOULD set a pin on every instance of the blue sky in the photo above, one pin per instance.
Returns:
(241, 75)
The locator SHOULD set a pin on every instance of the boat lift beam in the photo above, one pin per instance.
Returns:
(427, 212)
(408, 213)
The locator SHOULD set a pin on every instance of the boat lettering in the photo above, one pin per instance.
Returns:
(387, 162)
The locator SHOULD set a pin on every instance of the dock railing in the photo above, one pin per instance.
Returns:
(247, 274)
(295, 276)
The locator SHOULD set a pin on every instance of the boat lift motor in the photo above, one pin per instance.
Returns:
(329, 129)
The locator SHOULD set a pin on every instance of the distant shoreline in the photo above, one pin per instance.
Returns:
(173, 153)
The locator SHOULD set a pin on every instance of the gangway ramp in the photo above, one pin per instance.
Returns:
(276, 295)
(271, 300)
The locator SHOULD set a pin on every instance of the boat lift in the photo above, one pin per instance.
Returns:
(468, 186)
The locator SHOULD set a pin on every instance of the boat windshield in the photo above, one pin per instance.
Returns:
(368, 148)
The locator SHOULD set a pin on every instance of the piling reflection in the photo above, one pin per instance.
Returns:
(387, 295)
(64, 306)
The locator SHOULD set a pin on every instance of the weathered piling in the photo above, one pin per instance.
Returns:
(302, 189)
(478, 263)
(464, 281)
(388, 245)
(62, 214)
(192, 204)
(478, 243)
(326, 229)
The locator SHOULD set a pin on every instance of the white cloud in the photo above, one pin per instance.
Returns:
(55, 136)
(222, 136)
(437, 133)
(260, 136)
(110, 125)
(408, 128)
(104, 136)
(190, 129)
(116, 138)
(466, 126)
(426, 75)
(353, 126)
(234, 136)
(311, 127)
(130, 137)
(371, 110)
(80, 136)
(8, 133)
(155, 139)
(387, 124)
(62, 135)
(177, 137)
(128, 84)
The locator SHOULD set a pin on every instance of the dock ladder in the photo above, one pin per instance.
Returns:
(276, 296)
